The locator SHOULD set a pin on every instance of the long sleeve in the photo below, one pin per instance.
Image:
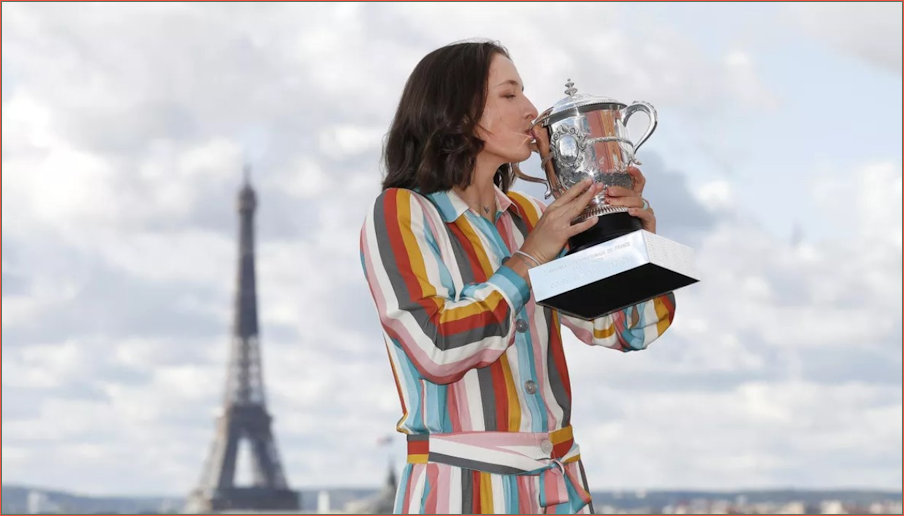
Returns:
(444, 330)
(629, 329)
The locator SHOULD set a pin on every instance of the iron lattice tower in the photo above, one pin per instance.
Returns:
(245, 416)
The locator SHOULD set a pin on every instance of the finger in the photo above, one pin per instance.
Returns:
(630, 201)
(641, 213)
(620, 191)
(583, 225)
(578, 205)
(541, 139)
(639, 180)
(573, 192)
(647, 218)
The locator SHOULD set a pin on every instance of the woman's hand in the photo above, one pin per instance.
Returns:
(632, 199)
(555, 227)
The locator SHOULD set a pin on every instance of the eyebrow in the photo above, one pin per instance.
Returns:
(513, 82)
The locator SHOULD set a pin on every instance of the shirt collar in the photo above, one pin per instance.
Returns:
(451, 205)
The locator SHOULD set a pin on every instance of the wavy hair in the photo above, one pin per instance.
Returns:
(432, 144)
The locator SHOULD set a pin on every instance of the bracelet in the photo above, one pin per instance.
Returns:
(529, 257)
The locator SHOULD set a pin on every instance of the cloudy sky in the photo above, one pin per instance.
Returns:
(125, 128)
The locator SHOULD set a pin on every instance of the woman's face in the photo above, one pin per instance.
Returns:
(505, 124)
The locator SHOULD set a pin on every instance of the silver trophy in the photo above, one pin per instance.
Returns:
(615, 263)
(585, 136)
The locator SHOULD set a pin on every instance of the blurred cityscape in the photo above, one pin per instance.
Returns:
(33, 500)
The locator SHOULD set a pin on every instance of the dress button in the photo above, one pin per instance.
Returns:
(530, 386)
(521, 325)
(546, 446)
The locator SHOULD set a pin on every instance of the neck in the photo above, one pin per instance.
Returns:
(480, 194)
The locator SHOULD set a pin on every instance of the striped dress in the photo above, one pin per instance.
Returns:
(479, 366)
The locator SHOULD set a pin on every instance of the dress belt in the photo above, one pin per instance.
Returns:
(509, 453)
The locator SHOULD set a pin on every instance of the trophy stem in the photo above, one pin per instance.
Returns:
(612, 225)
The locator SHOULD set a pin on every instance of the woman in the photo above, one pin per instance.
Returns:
(480, 370)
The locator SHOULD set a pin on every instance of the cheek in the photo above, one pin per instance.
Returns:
(499, 129)
(490, 121)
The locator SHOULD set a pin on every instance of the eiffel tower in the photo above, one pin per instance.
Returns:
(245, 417)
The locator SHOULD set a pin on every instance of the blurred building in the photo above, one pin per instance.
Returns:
(245, 418)
(380, 503)
(39, 503)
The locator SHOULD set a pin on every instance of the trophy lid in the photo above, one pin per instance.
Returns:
(575, 103)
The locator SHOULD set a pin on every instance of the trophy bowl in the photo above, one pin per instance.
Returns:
(615, 263)
(583, 136)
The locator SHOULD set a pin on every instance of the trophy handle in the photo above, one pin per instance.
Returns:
(650, 111)
(521, 175)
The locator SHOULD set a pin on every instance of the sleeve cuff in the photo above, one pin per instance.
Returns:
(513, 286)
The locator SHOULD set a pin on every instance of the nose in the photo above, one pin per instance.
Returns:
(531, 110)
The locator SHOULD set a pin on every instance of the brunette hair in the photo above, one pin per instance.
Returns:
(432, 144)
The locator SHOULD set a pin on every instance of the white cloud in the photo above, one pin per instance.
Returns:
(868, 199)
(62, 185)
(747, 436)
(715, 194)
(350, 140)
(188, 256)
(26, 122)
(43, 297)
(878, 201)
(742, 78)
(869, 30)
(308, 180)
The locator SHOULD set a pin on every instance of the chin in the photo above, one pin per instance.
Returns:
(520, 156)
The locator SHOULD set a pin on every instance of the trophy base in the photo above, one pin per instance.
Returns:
(609, 226)
(612, 275)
